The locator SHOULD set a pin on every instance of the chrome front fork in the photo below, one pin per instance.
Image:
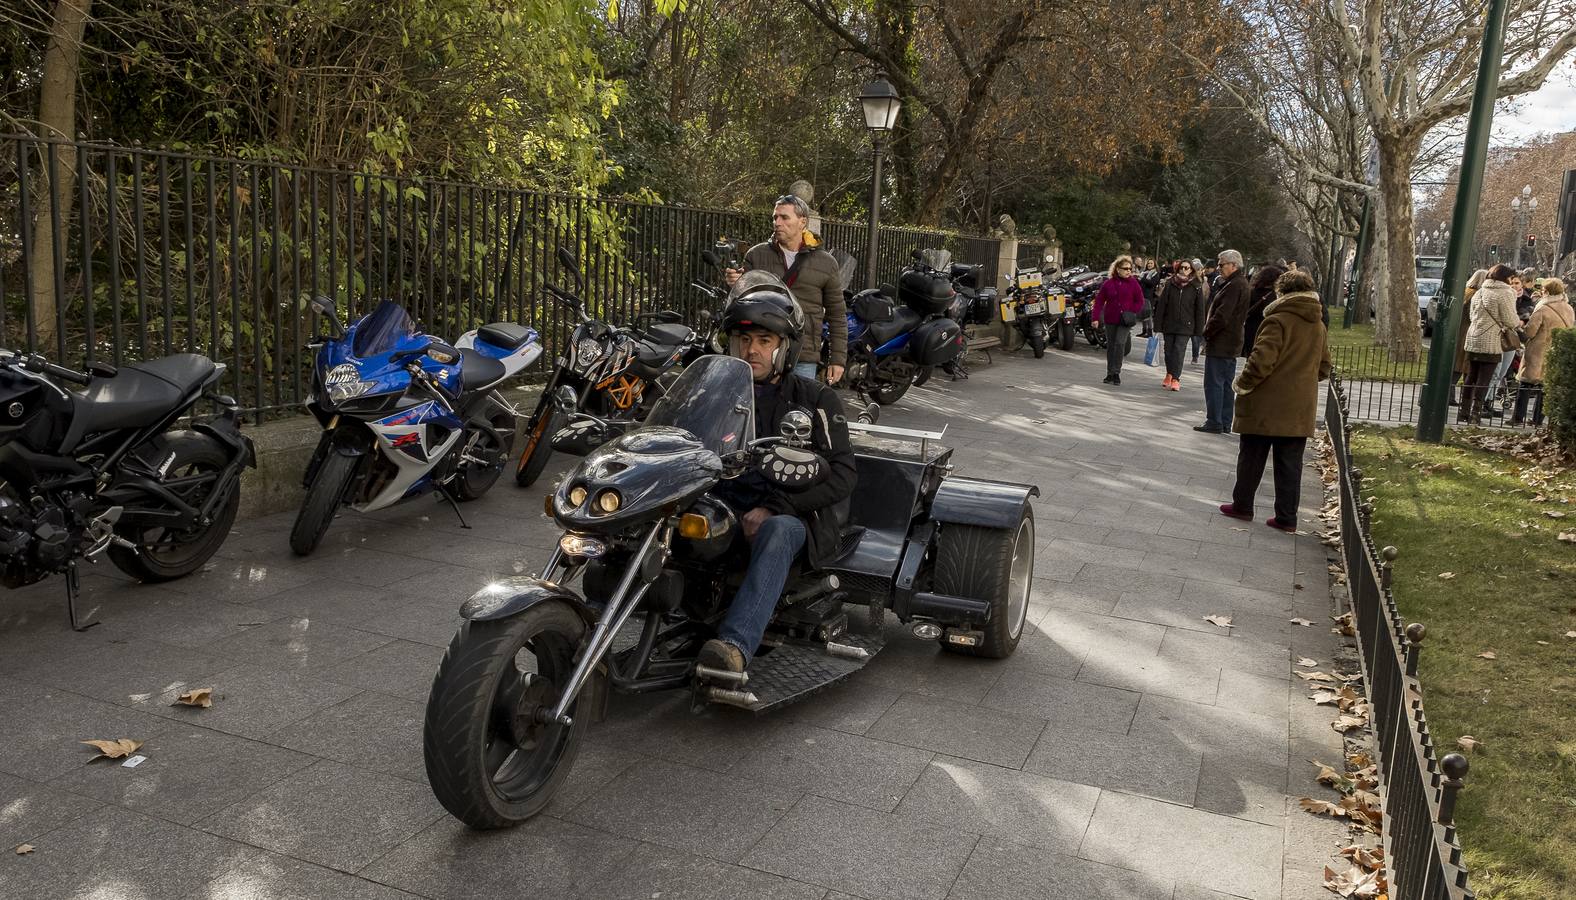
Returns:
(618, 611)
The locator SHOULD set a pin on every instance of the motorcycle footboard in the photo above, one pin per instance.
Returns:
(793, 671)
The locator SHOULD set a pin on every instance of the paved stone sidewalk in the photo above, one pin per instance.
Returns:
(1130, 750)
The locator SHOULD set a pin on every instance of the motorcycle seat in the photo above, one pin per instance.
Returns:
(139, 394)
(670, 334)
(508, 335)
(651, 358)
(903, 321)
(477, 371)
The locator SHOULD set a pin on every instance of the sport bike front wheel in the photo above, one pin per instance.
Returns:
(193, 473)
(485, 451)
(491, 760)
(321, 502)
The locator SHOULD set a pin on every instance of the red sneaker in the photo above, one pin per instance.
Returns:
(1278, 525)
(1230, 509)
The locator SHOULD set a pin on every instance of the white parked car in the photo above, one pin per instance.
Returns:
(1427, 290)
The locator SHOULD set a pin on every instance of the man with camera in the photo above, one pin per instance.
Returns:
(795, 255)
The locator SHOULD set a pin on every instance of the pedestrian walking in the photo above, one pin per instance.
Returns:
(1491, 334)
(1523, 306)
(1179, 315)
(1459, 370)
(1261, 293)
(1277, 399)
(1228, 308)
(1149, 280)
(1552, 313)
(1116, 307)
(1206, 280)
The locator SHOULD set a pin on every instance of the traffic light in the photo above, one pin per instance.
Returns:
(1532, 240)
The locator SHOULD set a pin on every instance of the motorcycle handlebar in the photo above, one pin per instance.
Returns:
(37, 363)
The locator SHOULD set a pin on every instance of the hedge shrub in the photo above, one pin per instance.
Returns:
(1559, 383)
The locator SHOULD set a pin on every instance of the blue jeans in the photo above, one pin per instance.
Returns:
(805, 370)
(1198, 341)
(1500, 371)
(772, 552)
(1219, 400)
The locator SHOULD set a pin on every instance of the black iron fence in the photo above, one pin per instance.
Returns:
(120, 253)
(1422, 851)
(1383, 391)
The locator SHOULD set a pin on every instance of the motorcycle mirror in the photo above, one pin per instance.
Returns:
(580, 437)
(916, 256)
(566, 258)
(711, 259)
(795, 428)
(326, 308)
(791, 468)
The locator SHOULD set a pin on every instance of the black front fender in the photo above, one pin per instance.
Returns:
(974, 501)
(511, 596)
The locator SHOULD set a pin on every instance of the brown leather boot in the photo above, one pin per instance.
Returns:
(719, 654)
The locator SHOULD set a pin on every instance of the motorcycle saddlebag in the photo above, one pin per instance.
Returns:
(870, 306)
(936, 342)
(924, 293)
(983, 310)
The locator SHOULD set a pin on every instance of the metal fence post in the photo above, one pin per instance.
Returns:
(1415, 633)
(1455, 767)
(1388, 555)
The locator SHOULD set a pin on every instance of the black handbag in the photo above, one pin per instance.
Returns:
(1129, 319)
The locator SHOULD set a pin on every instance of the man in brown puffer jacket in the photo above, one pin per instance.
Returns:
(794, 255)
(1277, 398)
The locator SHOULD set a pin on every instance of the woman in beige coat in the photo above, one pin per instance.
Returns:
(1493, 313)
(1552, 313)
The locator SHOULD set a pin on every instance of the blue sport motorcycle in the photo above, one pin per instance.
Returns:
(404, 413)
(892, 346)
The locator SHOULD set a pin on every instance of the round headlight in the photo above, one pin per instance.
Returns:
(577, 496)
(608, 501)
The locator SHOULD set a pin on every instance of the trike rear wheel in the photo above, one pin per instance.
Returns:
(991, 564)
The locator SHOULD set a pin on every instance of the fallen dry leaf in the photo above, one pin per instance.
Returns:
(202, 697)
(1349, 722)
(1222, 621)
(1324, 698)
(1446, 576)
(114, 749)
(1554, 513)
(1317, 676)
(1305, 661)
(24, 849)
(1488, 654)
(1570, 634)
(1369, 858)
(1321, 807)
(1468, 743)
(1303, 622)
(1568, 537)
(1360, 760)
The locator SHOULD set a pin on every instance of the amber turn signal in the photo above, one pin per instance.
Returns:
(694, 526)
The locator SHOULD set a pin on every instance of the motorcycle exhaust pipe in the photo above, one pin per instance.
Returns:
(708, 673)
(825, 585)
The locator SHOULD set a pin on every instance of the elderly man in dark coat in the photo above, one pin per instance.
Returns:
(1228, 311)
(1277, 400)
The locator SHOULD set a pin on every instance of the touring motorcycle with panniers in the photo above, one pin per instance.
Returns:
(649, 559)
(894, 345)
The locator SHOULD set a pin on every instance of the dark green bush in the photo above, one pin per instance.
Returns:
(1559, 381)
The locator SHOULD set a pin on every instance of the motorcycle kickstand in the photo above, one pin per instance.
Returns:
(73, 589)
(454, 505)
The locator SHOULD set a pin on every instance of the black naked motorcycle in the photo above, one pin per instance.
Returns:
(610, 370)
(104, 470)
(657, 559)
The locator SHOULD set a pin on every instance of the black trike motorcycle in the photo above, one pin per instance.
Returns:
(657, 559)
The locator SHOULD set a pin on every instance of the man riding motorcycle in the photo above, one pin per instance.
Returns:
(765, 327)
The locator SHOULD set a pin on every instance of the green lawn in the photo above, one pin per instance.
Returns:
(1453, 509)
(1357, 358)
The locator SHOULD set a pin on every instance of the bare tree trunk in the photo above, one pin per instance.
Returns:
(57, 113)
(1398, 300)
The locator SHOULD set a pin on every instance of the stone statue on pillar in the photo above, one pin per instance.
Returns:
(805, 191)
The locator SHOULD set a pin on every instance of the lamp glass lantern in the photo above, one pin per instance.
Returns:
(881, 104)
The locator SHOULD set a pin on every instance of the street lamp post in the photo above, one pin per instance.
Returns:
(881, 104)
(1522, 208)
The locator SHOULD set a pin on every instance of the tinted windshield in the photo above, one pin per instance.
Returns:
(714, 400)
(382, 330)
(937, 259)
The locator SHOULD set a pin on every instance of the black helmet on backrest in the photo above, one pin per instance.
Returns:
(762, 300)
